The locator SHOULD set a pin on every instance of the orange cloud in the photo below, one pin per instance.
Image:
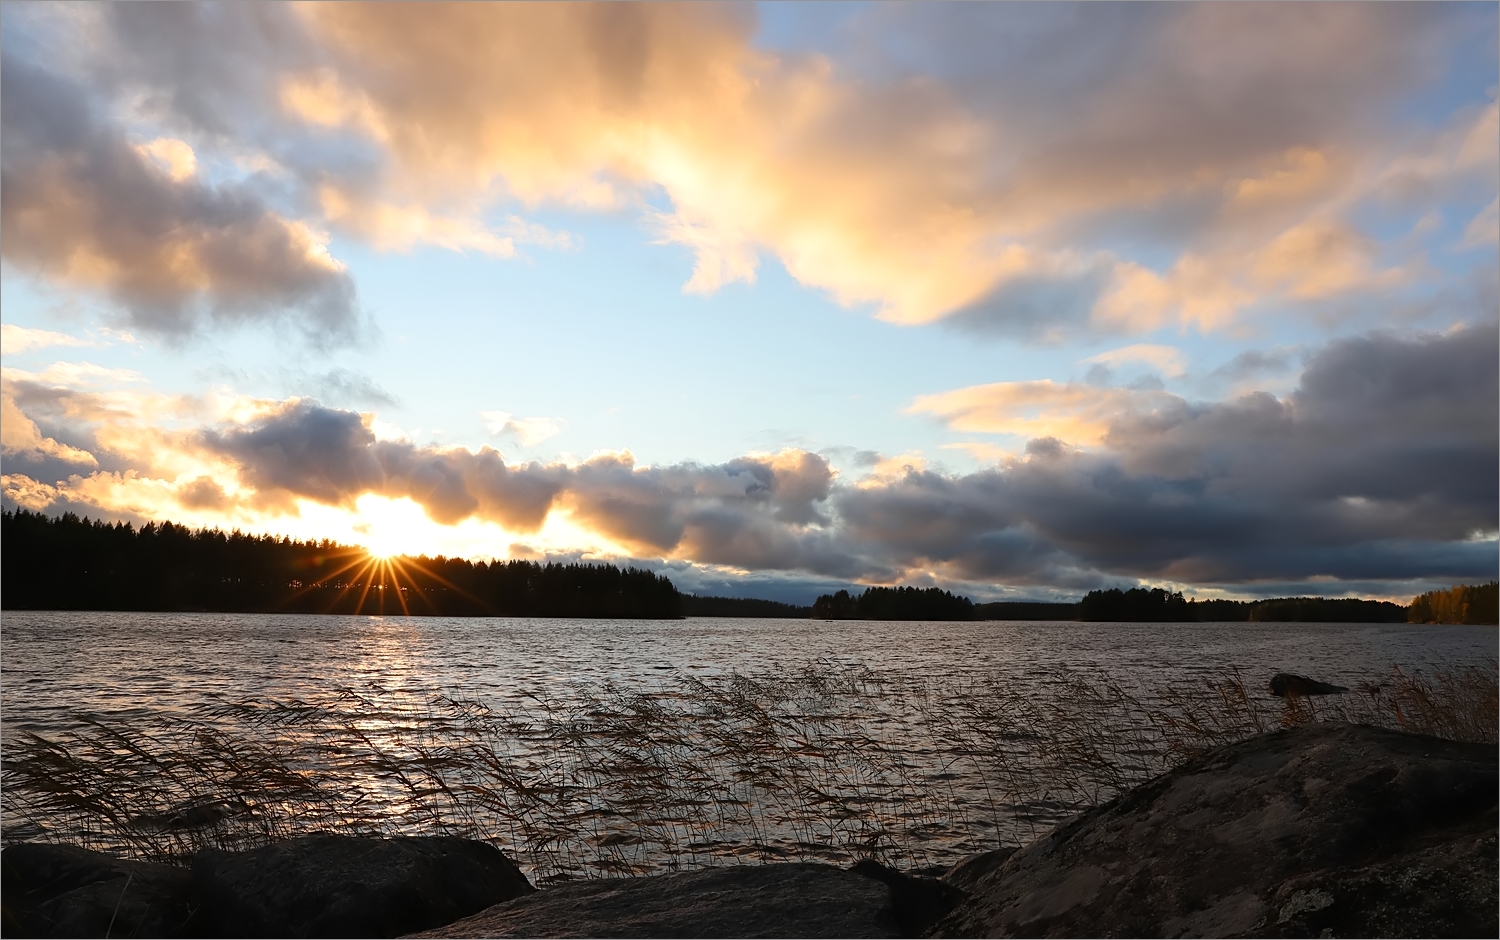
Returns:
(1067, 411)
(84, 208)
(881, 193)
(980, 196)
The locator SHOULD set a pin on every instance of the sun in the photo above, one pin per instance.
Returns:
(382, 542)
(388, 528)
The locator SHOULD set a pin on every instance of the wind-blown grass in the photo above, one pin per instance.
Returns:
(834, 763)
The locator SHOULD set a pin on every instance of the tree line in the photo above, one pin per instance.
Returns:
(72, 563)
(898, 603)
(710, 606)
(1158, 605)
(69, 563)
(1139, 605)
(1466, 603)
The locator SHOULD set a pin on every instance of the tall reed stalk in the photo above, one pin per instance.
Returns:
(832, 763)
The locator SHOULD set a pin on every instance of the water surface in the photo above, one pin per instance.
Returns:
(137, 664)
(912, 765)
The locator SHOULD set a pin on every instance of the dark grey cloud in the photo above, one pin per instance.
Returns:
(45, 467)
(331, 456)
(751, 512)
(213, 71)
(1379, 468)
(307, 450)
(1252, 364)
(203, 493)
(1145, 88)
(81, 206)
(341, 386)
(1380, 465)
(1038, 309)
(199, 64)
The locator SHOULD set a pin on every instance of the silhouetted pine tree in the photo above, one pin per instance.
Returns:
(898, 603)
(68, 563)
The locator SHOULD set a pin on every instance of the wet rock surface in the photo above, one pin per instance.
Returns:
(1321, 830)
(314, 886)
(916, 902)
(66, 891)
(968, 872)
(343, 886)
(791, 900)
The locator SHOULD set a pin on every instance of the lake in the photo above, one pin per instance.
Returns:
(885, 715)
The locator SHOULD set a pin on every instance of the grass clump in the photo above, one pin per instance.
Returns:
(833, 763)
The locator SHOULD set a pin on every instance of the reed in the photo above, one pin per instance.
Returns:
(832, 763)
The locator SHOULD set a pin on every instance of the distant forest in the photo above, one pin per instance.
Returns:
(1478, 603)
(68, 563)
(898, 603)
(1143, 605)
(709, 606)
(1157, 605)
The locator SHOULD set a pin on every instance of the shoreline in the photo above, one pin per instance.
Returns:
(1436, 806)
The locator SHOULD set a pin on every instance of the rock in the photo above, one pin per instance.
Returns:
(1284, 684)
(916, 903)
(344, 886)
(67, 891)
(967, 873)
(1320, 830)
(790, 900)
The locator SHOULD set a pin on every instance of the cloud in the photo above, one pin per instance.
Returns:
(1168, 360)
(15, 340)
(1387, 444)
(344, 387)
(203, 493)
(1377, 467)
(527, 431)
(755, 512)
(173, 156)
(751, 512)
(83, 208)
(1249, 370)
(20, 437)
(1484, 228)
(1074, 411)
(1046, 300)
(1035, 173)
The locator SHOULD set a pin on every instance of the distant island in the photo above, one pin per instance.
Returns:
(1137, 605)
(72, 563)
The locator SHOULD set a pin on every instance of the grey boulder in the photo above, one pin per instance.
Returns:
(67, 891)
(968, 872)
(790, 900)
(344, 886)
(1321, 830)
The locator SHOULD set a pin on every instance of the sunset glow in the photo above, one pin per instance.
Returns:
(1017, 299)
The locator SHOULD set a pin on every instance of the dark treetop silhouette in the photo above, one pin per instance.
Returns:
(69, 563)
(1157, 605)
(898, 603)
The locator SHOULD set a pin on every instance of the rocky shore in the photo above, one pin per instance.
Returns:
(1321, 830)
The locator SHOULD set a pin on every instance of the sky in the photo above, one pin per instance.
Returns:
(1019, 300)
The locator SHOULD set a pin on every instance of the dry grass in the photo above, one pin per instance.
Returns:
(832, 764)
